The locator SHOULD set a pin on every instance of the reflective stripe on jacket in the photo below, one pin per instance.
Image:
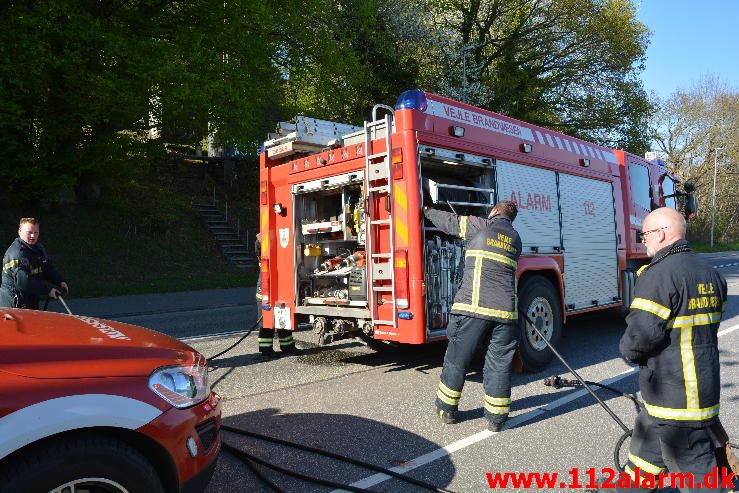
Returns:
(488, 289)
(672, 333)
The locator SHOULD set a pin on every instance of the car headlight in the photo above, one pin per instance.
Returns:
(181, 386)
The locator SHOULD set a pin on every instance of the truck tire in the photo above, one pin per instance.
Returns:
(81, 463)
(538, 298)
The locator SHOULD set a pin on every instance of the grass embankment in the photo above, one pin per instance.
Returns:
(139, 237)
(706, 247)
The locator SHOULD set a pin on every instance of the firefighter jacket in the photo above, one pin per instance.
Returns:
(27, 274)
(671, 333)
(488, 289)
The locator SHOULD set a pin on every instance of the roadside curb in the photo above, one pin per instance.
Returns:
(157, 303)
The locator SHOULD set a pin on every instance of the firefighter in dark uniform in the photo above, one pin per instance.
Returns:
(485, 302)
(672, 335)
(266, 336)
(28, 272)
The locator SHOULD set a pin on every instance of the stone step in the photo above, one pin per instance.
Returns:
(244, 266)
(234, 248)
(235, 251)
(242, 258)
(226, 244)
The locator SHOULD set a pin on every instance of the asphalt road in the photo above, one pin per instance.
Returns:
(377, 407)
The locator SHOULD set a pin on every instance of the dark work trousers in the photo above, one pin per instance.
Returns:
(665, 449)
(465, 335)
(266, 336)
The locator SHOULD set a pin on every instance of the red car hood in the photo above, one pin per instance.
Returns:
(51, 345)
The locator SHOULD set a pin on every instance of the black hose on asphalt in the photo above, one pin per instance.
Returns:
(245, 456)
(336, 456)
(559, 382)
(229, 348)
(252, 467)
(579, 378)
(627, 431)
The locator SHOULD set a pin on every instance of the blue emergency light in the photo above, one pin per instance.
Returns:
(413, 99)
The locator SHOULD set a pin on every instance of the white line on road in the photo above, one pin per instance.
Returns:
(442, 452)
(729, 330)
(725, 265)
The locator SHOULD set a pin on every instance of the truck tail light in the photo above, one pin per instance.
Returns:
(396, 159)
(263, 192)
(265, 281)
(401, 279)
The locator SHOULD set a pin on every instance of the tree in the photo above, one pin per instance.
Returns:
(83, 82)
(695, 130)
(570, 65)
(353, 60)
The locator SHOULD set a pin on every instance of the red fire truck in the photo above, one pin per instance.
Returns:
(346, 249)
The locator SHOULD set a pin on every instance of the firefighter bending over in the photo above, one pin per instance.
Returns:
(28, 272)
(287, 343)
(671, 334)
(485, 302)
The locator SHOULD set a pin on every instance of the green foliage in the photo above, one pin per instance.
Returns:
(351, 60)
(570, 65)
(717, 247)
(84, 84)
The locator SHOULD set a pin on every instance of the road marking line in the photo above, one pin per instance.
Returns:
(482, 435)
(728, 331)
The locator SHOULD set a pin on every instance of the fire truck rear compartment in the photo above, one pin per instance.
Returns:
(331, 285)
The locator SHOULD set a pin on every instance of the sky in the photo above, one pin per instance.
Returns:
(690, 40)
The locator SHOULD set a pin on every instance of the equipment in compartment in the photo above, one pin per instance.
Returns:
(339, 280)
(332, 253)
(358, 284)
(444, 270)
(329, 265)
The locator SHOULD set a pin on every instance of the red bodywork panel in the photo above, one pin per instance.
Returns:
(49, 358)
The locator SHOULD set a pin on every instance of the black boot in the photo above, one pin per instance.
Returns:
(446, 417)
(267, 354)
(496, 427)
(291, 350)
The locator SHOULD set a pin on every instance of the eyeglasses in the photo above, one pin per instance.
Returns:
(641, 236)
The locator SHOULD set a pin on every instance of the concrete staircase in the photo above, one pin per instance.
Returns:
(232, 246)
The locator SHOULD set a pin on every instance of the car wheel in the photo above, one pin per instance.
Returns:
(539, 300)
(80, 464)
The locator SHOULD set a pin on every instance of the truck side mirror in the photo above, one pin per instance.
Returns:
(691, 206)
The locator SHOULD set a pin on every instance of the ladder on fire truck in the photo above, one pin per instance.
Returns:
(378, 184)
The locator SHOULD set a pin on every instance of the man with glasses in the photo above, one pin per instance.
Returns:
(672, 335)
(27, 270)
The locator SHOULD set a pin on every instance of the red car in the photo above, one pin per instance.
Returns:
(98, 406)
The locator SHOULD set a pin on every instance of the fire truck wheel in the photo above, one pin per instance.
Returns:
(81, 463)
(539, 300)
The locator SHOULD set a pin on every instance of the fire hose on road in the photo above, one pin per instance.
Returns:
(722, 439)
